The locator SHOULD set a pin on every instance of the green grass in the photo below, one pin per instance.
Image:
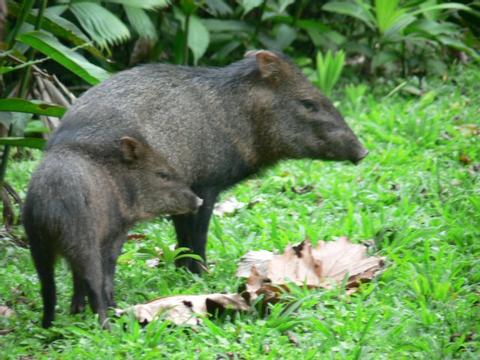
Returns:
(412, 195)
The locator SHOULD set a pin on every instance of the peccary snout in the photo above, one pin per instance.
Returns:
(361, 155)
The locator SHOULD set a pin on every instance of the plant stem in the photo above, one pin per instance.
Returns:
(259, 21)
(27, 6)
(185, 45)
(299, 11)
(31, 52)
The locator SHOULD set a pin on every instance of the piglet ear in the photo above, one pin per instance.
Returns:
(268, 63)
(132, 149)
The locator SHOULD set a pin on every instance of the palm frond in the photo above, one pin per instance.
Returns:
(100, 24)
(142, 4)
(141, 22)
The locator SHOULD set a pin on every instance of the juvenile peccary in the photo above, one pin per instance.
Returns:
(215, 125)
(80, 203)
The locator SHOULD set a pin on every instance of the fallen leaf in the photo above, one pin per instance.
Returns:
(302, 190)
(296, 265)
(469, 129)
(258, 259)
(136, 236)
(186, 309)
(293, 338)
(228, 207)
(464, 159)
(6, 312)
(152, 263)
(323, 266)
(475, 168)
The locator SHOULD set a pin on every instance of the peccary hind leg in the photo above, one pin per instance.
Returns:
(192, 230)
(79, 294)
(44, 260)
(90, 272)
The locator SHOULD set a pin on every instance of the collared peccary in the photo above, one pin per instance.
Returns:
(216, 126)
(81, 201)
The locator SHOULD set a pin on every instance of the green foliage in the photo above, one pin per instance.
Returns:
(101, 25)
(399, 32)
(355, 95)
(34, 143)
(329, 68)
(32, 106)
(76, 63)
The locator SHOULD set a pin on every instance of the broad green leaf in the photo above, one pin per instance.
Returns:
(218, 7)
(142, 4)
(249, 5)
(384, 57)
(458, 44)
(34, 143)
(387, 12)
(58, 26)
(223, 52)
(350, 8)
(285, 35)
(198, 38)
(76, 63)
(100, 24)
(445, 6)
(397, 27)
(217, 25)
(36, 126)
(432, 28)
(31, 106)
(141, 22)
(315, 29)
(283, 4)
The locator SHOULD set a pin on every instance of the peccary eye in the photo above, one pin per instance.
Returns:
(309, 105)
(164, 175)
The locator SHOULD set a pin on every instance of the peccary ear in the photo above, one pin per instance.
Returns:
(268, 63)
(132, 149)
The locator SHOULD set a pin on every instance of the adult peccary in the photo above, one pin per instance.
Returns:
(216, 126)
(80, 203)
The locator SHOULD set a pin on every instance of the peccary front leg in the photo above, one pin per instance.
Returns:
(110, 256)
(184, 228)
(192, 229)
(79, 294)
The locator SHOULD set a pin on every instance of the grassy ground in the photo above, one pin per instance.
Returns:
(417, 195)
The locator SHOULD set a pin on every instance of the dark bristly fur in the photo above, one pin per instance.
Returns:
(215, 126)
(80, 203)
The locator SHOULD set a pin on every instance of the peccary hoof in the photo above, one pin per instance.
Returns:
(194, 266)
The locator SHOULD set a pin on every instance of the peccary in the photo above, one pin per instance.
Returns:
(216, 126)
(80, 203)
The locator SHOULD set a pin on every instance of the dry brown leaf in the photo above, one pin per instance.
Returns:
(228, 207)
(6, 312)
(136, 236)
(464, 159)
(323, 266)
(296, 265)
(469, 129)
(186, 309)
(258, 259)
